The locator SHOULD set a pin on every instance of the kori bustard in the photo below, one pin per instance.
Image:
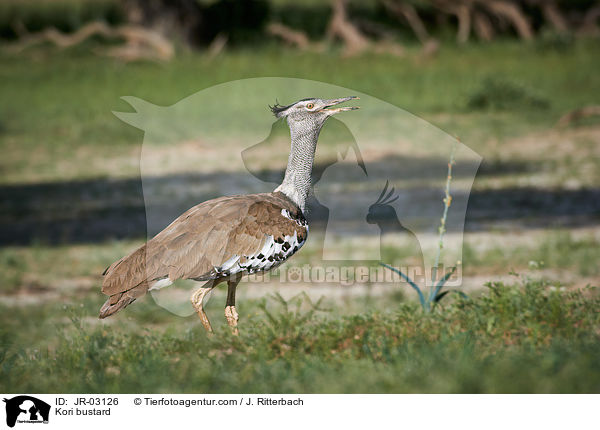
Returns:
(223, 239)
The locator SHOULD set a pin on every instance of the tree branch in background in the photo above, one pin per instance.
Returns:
(589, 26)
(406, 11)
(483, 26)
(217, 45)
(341, 27)
(553, 15)
(462, 12)
(290, 36)
(140, 43)
(409, 13)
(512, 13)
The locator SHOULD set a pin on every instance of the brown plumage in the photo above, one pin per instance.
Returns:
(200, 240)
(226, 238)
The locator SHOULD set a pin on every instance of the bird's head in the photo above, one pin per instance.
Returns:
(311, 112)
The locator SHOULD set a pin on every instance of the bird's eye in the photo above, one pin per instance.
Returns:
(310, 106)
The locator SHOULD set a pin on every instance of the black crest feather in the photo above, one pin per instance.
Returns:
(278, 109)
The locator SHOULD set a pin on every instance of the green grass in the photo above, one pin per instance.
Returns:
(527, 337)
(59, 103)
(47, 267)
(556, 250)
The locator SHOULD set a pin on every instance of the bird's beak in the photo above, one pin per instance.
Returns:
(332, 102)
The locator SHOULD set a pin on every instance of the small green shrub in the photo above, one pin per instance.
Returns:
(503, 94)
(549, 40)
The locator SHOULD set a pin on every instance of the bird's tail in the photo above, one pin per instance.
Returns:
(114, 304)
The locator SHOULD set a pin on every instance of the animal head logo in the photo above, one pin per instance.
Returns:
(382, 210)
(26, 409)
(384, 215)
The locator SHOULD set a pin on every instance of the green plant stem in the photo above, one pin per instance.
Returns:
(442, 230)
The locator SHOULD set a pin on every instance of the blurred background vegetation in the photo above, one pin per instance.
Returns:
(516, 80)
(198, 23)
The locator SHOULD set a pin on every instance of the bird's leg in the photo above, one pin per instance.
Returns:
(230, 312)
(197, 298)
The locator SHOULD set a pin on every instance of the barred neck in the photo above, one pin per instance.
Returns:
(297, 181)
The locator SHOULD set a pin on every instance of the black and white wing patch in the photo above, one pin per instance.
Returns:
(273, 252)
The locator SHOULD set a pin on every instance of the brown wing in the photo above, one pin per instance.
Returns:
(203, 238)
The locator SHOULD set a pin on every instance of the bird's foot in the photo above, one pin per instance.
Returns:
(232, 319)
